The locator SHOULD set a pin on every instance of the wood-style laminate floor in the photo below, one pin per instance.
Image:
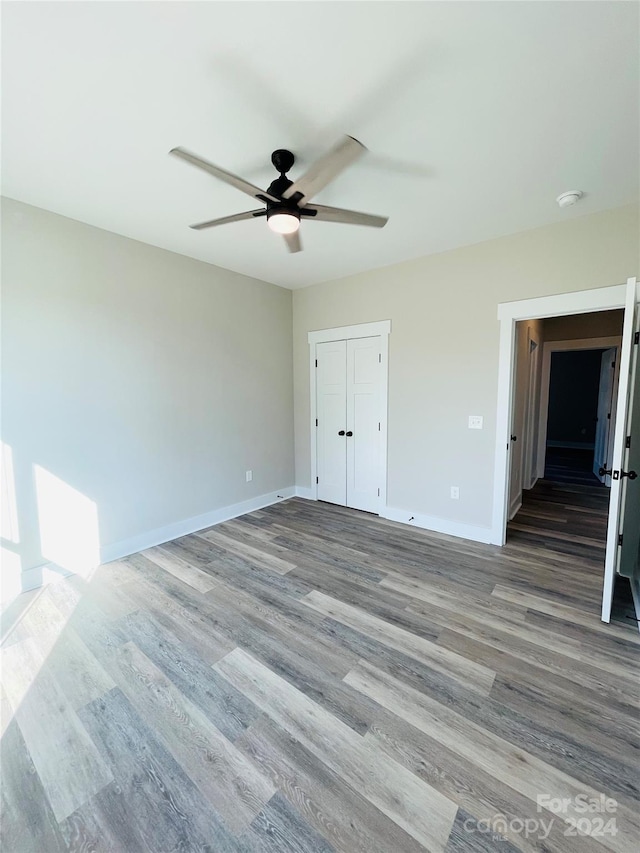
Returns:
(309, 678)
(566, 518)
(570, 465)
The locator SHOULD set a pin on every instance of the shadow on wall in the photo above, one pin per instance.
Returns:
(67, 527)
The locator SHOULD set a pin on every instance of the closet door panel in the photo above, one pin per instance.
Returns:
(363, 420)
(332, 419)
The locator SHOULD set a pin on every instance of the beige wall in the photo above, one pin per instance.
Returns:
(598, 324)
(443, 347)
(140, 379)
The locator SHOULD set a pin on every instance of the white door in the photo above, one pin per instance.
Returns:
(629, 553)
(363, 423)
(605, 404)
(331, 410)
(624, 497)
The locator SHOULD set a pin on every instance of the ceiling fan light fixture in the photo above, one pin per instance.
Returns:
(283, 222)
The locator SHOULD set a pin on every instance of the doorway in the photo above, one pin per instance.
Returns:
(564, 506)
(620, 526)
(572, 416)
(577, 412)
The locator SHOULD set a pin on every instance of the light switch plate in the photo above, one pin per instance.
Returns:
(249, 476)
(475, 421)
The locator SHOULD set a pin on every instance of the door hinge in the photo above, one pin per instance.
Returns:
(378, 426)
(378, 492)
(636, 338)
(316, 362)
(379, 358)
(317, 481)
(627, 441)
(316, 422)
(620, 538)
(613, 364)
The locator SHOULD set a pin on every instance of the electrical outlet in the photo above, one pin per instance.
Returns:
(455, 493)
(475, 421)
(249, 476)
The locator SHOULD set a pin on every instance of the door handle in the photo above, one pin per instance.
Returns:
(630, 474)
(341, 432)
(514, 438)
(605, 472)
(349, 434)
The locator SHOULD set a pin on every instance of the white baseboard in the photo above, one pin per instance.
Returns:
(438, 525)
(635, 592)
(304, 492)
(49, 572)
(124, 548)
(515, 506)
(41, 576)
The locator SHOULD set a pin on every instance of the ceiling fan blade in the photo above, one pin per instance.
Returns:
(221, 174)
(324, 170)
(351, 217)
(236, 217)
(293, 241)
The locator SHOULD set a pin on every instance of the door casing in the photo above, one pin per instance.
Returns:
(578, 302)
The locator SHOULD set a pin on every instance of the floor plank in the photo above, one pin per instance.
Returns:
(68, 763)
(468, 672)
(421, 811)
(521, 771)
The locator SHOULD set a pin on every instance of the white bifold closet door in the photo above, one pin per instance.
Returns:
(331, 409)
(348, 387)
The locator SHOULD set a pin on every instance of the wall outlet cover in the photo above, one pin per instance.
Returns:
(475, 421)
(249, 476)
(455, 493)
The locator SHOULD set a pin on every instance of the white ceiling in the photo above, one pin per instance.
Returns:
(477, 115)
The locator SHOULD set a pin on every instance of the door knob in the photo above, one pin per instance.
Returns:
(514, 438)
(341, 432)
(630, 474)
(349, 434)
(604, 472)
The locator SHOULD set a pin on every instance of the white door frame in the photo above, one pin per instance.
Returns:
(343, 333)
(548, 349)
(509, 313)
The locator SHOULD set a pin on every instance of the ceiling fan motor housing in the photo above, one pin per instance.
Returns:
(278, 186)
(283, 160)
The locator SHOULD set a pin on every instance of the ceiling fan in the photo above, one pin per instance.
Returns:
(287, 202)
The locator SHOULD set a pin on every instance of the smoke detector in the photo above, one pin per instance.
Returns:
(569, 198)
